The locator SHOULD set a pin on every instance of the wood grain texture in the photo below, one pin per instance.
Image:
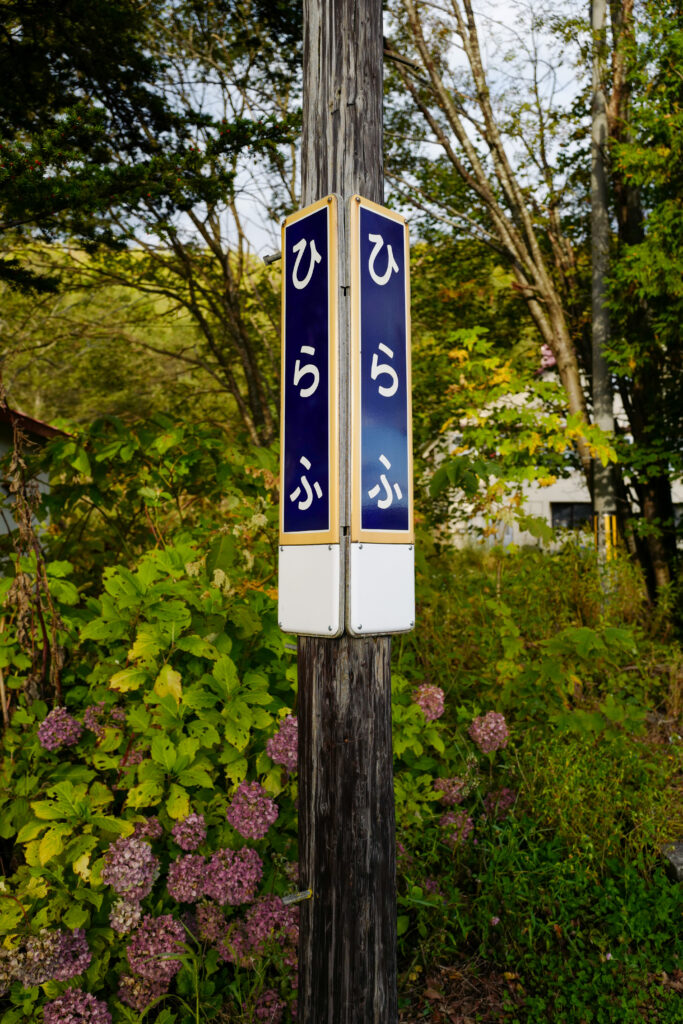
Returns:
(347, 951)
(347, 954)
(342, 105)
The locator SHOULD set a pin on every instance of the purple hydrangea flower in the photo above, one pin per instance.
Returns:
(269, 1007)
(125, 915)
(430, 699)
(59, 729)
(186, 878)
(74, 955)
(151, 828)
(489, 732)
(453, 791)
(210, 922)
(233, 875)
(153, 946)
(282, 747)
(268, 921)
(132, 757)
(252, 811)
(76, 1007)
(130, 868)
(457, 825)
(92, 718)
(37, 960)
(189, 832)
(495, 921)
(498, 802)
(138, 992)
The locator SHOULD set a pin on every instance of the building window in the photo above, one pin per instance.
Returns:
(571, 515)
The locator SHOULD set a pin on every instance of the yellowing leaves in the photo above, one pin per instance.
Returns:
(128, 679)
(169, 681)
(50, 845)
(81, 867)
(178, 803)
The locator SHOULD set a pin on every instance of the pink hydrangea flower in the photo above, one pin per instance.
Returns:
(457, 825)
(124, 916)
(151, 828)
(490, 732)
(130, 868)
(270, 1007)
(74, 955)
(251, 811)
(153, 945)
(138, 992)
(268, 921)
(232, 876)
(59, 729)
(76, 1007)
(186, 878)
(189, 832)
(453, 791)
(430, 699)
(282, 747)
(210, 922)
(498, 802)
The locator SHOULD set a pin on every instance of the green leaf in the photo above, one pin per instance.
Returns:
(261, 719)
(236, 767)
(221, 554)
(196, 777)
(225, 673)
(206, 733)
(163, 752)
(50, 845)
(199, 698)
(138, 718)
(30, 830)
(147, 645)
(198, 646)
(402, 922)
(169, 682)
(59, 569)
(76, 916)
(104, 629)
(47, 810)
(81, 463)
(147, 794)
(128, 679)
(178, 803)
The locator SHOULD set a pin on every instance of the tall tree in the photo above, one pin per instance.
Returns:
(604, 503)
(147, 150)
(496, 159)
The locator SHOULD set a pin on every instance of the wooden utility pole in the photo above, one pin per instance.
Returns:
(604, 503)
(347, 953)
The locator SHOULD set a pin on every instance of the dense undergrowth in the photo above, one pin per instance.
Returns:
(148, 831)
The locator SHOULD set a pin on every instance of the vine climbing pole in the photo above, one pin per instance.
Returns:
(347, 953)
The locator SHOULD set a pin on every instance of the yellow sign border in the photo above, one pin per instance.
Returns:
(357, 533)
(332, 535)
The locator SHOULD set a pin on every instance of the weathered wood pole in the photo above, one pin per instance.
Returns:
(604, 501)
(347, 951)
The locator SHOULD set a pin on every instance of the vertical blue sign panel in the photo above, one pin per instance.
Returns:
(384, 400)
(306, 478)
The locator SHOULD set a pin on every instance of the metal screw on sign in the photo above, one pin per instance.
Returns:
(297, 897)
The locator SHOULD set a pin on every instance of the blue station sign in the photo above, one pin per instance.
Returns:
(381, 475)
(309, 492)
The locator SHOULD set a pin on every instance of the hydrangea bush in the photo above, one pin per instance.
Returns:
(149, 818)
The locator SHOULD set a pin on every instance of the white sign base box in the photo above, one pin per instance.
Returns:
(381, 589)
(310, 582)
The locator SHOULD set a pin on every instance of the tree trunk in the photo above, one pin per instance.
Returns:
(604, 502)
